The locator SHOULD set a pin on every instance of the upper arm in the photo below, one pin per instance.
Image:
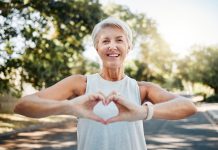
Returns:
(154, 93)
(67, 88)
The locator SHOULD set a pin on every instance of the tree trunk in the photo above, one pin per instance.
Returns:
(216, 90)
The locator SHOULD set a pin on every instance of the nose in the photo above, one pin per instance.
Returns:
(112, 46)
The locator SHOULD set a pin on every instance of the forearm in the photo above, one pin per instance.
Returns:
(36, 107)
(174, 109)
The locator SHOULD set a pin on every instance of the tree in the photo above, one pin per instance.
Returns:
(143, 27)
(51, 33)
(201, 67)
(155, 61)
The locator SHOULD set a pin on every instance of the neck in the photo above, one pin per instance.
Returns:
(112, 74)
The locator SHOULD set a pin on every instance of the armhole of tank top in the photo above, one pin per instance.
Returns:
(138, 93)
(87, 83)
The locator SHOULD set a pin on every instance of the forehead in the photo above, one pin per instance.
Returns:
(111, 31)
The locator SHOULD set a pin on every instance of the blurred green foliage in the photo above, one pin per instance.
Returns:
(156, 60)
(201, 66)
(212, 99)
(53, 32)
(51, 35)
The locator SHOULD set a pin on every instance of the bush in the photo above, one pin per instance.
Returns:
(7, 103)
(212, 99)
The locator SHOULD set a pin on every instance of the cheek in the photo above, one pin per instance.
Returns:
(100, 46)
(126, 49)
(101, 49)
(100, 52)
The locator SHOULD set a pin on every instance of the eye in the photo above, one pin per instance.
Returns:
(105, 41)
(120, 40)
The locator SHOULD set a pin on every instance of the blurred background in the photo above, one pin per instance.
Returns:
(44, 41)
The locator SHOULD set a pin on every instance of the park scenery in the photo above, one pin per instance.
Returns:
(42, 42)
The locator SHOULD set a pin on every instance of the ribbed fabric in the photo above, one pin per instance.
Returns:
(124, 135)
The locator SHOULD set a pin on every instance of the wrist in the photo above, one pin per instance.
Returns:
(144, 112)
(67, 107)
(149, 110)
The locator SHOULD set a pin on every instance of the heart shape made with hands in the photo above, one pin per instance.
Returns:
(106, 112)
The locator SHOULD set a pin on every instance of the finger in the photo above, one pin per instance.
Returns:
(94, 117)
(102, 97)
(112, 93)
(117, 97)
(114, 119)
(111, 97)
(124, 103)
(96, 97)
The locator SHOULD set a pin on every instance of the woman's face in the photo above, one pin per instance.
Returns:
(112, 46)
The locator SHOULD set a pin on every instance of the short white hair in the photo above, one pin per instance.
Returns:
(111, 21)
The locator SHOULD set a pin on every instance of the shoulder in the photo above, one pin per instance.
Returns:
(67, 88)
(74, 80)
(78, 83)
(146, 86)
(78, 77)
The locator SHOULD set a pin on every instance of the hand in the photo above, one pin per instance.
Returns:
(127, 111)
(83, 106)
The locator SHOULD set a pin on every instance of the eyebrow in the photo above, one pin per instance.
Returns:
(120, 36)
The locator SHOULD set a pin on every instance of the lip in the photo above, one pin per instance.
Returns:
(113, 55)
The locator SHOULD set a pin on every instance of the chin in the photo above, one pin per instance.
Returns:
(114, 65)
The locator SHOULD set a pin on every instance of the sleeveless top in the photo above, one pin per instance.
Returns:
(124, 135)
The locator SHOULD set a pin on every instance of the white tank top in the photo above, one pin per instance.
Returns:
(123, 135)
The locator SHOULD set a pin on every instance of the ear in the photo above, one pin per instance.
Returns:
(128, 49)
(96, 47)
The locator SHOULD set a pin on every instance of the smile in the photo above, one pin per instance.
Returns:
(113, 55)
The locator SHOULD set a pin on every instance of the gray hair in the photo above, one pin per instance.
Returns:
(112, 22)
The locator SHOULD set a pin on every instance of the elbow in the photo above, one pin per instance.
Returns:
(191, 108)
(20, 106)
(24, 107)
(194, 109)
(33, 107)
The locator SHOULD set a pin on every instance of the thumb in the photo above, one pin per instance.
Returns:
(124, 103)
(113, 119)
(94, 117)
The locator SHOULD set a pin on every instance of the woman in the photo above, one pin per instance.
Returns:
(109, 104)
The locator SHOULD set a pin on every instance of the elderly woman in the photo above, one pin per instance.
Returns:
(110, 106)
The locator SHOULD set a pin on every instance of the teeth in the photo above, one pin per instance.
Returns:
(113, 55)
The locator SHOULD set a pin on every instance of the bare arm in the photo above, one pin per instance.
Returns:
(36, 107)
(174, 109)
(166, 104)
(52, 100)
